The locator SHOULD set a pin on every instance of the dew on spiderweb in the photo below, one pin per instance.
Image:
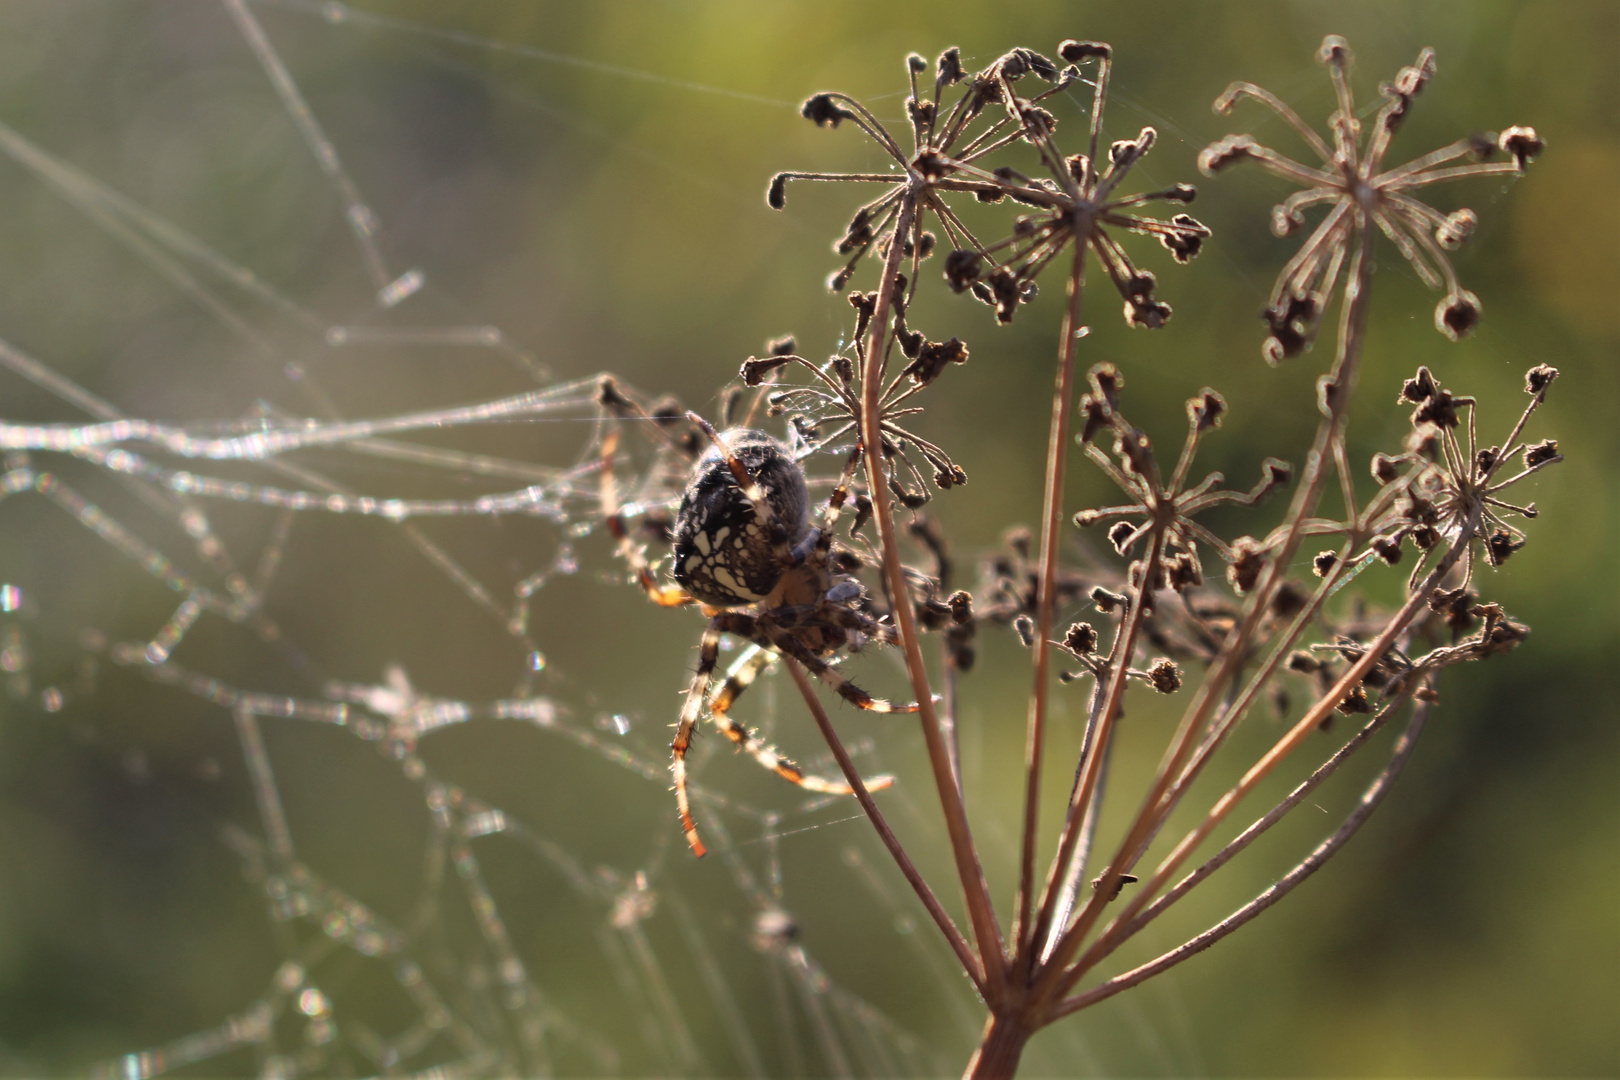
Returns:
(326, 623)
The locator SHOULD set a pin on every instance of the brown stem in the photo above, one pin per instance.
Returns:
(1260, 825)
(1000, 1047)
(1085, 792)
(1281, 749)
(975, 891)
(1352, 332)
(947, 709)
(1057, 453)
(1369, 802)
(1076, 869)
(1262, 678)
(958, 944)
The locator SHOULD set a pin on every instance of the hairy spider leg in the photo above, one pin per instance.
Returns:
(835, 506)
(628, 549)
(709, 645)
(762, 633)
(778, 638)
(754, 660)
(738, 679)
(691, 713)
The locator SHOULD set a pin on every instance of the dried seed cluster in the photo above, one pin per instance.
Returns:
(1359, 193)
(1076, 202)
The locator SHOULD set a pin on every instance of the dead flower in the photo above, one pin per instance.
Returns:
(945, 145)
(1165, 506)
(1075, 204)
(1361, 193)
(1455, 489)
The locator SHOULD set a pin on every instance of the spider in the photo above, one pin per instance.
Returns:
(746, 552)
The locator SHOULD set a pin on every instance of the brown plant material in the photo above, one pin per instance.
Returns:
(1222, 646)
(1360, 193)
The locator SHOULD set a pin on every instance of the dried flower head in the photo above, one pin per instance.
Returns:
(1360, 193)
(1164, 506)
(1076, 203)
(1453, 490)
(827, 410)
(946, 142)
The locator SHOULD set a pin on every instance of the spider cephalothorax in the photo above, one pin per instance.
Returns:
(724, 554)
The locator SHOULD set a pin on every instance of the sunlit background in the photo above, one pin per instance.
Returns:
(589, 179)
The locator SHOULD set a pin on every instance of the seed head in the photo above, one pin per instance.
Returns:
(1360, 194)
(1081, 639)
(1165, 676)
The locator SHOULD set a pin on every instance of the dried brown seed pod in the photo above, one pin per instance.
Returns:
(1164, 676)
(1081, 639)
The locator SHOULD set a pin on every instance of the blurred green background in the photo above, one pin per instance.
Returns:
(589, 178)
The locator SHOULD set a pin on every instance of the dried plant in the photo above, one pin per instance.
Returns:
(1360, 193)
(1229, 641)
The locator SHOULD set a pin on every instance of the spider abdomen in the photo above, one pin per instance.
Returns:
(725, 555)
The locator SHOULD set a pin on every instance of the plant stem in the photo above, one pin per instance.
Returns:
(1000, 1047)
(1267, 820)
(1369, 802)
(1057, 453)
(947, 710)
(975, 891)
(1085, 792)
(852, 775)
(1330, 433)
(1223, 725)
(1076, 869)
(1154, 809)
(1286, 745)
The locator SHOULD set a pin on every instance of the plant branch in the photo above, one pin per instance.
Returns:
(1369, 802)
(1057, 453)
(1286, 745)
(1262, 677)
(1270, 818)
(976, 892)
(1234, 650)
(1085, 792)
(1076, 869)
(953, 936)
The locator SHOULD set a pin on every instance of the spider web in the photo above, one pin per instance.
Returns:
(412, 922)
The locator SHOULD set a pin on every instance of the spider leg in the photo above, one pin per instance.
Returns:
(627, 548)
(835, 501)
(691, 713)
(825, 613)
(850, 619)
(784, 642)
(741, 675)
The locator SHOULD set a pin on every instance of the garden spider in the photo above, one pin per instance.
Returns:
(746, 552)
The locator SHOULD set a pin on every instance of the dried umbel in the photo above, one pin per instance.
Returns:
(1360, 194)
(828, 409)
(1453, 493)
(1150, 619)
(1165, 507)
(949, 143)
(1076, 203)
